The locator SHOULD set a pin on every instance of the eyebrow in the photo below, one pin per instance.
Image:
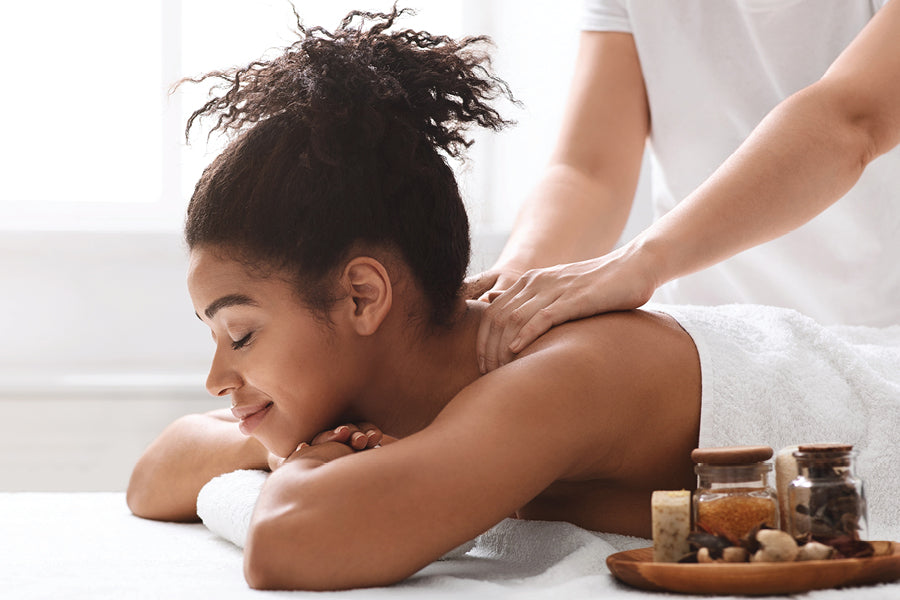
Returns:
(226, 301)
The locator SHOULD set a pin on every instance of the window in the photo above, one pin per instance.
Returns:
(94, 138)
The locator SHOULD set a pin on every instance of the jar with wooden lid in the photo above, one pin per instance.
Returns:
(733, 493)
(827, 501)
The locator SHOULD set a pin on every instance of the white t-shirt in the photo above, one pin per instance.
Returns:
(713, 69)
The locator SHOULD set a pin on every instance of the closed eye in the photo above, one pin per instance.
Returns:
(237, 345)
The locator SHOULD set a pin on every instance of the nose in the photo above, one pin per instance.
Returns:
(222, 379)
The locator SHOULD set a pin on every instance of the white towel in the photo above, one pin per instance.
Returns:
(773, 376)
(225, 505)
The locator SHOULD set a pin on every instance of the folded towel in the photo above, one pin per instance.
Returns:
(225, 505)
(773, 376)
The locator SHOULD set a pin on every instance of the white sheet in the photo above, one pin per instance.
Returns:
(80, 546)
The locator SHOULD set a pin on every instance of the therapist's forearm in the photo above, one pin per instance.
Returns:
(805, 155)
(569, 217)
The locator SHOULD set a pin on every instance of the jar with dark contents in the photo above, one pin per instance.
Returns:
(827, 502)
(733, 493)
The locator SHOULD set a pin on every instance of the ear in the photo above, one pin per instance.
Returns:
(371, 292)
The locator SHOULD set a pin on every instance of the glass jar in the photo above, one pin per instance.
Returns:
(733, 494)
(826, 500)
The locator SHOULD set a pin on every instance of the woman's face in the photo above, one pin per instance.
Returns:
(282, 367)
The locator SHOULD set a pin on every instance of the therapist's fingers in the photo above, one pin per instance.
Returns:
(477, 286)
(537, 320)
(531, 320)
(486, 286)
(528, 316)
(493, 329)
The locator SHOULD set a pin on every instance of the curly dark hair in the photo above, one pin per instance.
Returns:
(343, 139)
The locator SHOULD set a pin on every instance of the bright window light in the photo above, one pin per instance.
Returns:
(92, 139)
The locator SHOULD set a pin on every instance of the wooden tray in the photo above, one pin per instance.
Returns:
(636, 568)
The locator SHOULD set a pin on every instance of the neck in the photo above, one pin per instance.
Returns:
(411, 382)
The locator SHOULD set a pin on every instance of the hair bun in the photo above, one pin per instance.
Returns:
(352, 86)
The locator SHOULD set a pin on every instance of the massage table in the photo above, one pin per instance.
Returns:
(88, 545)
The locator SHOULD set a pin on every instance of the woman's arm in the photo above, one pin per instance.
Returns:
(617, 404)
(806, 154)
(187, 454)
(581, 204)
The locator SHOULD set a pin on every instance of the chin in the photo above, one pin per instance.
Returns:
(279, 445)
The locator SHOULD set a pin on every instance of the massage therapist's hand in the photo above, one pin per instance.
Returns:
(543, 298)
(489, 284)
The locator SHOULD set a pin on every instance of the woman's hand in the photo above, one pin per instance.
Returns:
(353, 436)
(358, 436)
(544, 298)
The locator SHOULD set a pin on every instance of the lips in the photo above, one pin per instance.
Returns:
(251, 415)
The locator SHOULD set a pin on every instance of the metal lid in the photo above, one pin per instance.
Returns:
(731, 455)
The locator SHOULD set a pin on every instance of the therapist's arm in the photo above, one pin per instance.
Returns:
(581, 203)
(804, 156)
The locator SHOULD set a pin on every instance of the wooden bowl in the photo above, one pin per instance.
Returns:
(636, 568)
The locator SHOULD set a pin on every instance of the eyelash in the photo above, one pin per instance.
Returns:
(241, 342)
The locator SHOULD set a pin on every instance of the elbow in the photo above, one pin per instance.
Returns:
(258, 557)
(858, 122)
(142, 502)
(150, 497)
(278, 557)
(136, 496)
(272, 562)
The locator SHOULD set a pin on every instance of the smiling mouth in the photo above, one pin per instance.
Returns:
(251, 416)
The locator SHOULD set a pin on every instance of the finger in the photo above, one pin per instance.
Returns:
(506, 318)
(351, 436)
(541, 322)
(491, 325)
(338, 434)
(359, 440)
(519, 317)
(477, 285)
(373, 434)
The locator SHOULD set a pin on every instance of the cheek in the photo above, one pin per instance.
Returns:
(309, 384)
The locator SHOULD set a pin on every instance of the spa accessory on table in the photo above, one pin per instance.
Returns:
(736, 548)
(733, 494)
(826, 499)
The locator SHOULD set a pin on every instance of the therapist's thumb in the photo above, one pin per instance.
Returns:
(476, 287)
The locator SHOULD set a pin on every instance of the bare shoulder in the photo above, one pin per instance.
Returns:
(616, 335)
(585, 379)
(631, 377)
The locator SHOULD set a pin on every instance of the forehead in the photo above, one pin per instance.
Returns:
(212, 275)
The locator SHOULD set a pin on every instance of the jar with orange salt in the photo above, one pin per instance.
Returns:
(733, 493)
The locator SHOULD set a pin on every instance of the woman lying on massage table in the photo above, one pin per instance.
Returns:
(328, 249)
